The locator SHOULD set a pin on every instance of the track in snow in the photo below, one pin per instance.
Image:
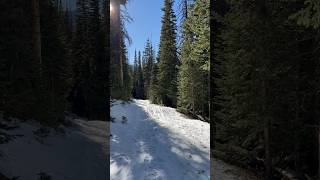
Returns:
(157, 142)
(152, 142)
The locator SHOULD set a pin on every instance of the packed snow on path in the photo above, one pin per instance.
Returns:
(152, 142)
(78, 154)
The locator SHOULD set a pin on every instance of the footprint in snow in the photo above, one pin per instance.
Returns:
(154, 174)
(121, 159)
(124, 120)
(201, 171)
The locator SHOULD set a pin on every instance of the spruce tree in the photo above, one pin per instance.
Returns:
(265, 78)
(194, 70)
(89, 85)
(154, 85)
(140, 82)
(135, 75)
(118, 60)
(148, 60)
(56, 69)
(126, 87)
(40, 83)
(18, 74)
(168, 59)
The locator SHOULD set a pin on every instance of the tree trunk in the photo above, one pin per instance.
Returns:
(116, 42)
(213, 22)
(296, 122)
(267, 150)
(53, 103)
(121, 62)
(36, 34)
(263, 14)
(266, 128)
(319, 151)
(318, 129)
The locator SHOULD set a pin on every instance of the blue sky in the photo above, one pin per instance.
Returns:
(146, 15)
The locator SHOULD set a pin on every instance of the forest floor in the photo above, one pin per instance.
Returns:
(224, 171)
(152, 142)
(78, 152)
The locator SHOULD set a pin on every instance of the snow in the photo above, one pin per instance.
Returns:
(152, 142)
(79, 154)
(157, 143)
(148, 142)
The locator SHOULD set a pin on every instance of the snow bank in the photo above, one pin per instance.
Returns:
(77, 154)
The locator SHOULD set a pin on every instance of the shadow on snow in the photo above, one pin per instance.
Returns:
(156, 153)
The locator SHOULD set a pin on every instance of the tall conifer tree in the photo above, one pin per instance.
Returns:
(194, 70)
(148, 60)
(168, 59)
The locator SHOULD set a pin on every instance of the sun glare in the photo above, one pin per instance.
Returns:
(111, 7)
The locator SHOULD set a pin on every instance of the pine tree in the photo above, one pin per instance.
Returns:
(18, 75)
(89, 87)
(37, 84)
(118, 61)
(154, 85)
(96, 84)
(126, 89)
(135, 75)
(140, 82)
(194, 69)
(36, 34)
(265, 82)
(148, 60)
(56, 71)
(308, 16)
(168, 59)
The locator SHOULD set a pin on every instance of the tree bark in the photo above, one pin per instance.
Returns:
(263, 14)
(116, 42)
(213, 23)
(318, 128)
(267, 150)
(296, 122)
(36, 34)
(121, 60)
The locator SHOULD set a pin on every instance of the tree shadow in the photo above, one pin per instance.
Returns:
(78, 154)
(157, 153)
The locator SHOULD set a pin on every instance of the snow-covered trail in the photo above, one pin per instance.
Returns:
(152, 142)
(155, 142)
(78, 154)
